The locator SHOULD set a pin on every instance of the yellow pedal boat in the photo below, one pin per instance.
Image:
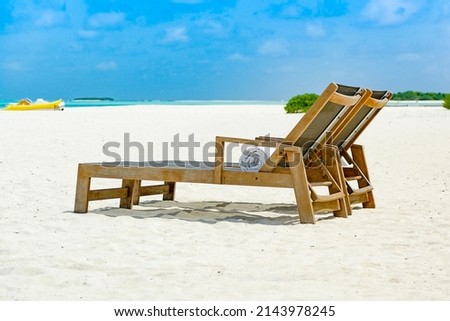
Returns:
(39, 104)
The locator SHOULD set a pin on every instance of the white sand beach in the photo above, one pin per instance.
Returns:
(219, 242)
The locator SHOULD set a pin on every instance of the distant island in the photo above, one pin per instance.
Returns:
(417, 95)
(95, 98)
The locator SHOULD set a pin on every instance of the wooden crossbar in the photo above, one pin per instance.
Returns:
(154, 190)
(104, 194)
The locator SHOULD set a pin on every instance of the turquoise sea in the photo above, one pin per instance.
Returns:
(123, 103)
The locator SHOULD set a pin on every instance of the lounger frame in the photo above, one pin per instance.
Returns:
(303, 161)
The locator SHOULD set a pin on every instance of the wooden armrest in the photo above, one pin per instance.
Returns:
(255, 142)
(270, 139)
(292, 149)
(237, 140)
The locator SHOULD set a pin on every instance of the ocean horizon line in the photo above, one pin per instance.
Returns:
(74, 103)
(86, 103)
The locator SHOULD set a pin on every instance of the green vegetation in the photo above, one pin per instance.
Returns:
(300, 103)
(417, 95)
(447, 101)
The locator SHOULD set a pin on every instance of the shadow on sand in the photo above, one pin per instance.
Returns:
(213, 212)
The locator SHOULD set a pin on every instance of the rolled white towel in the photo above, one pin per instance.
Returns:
(252, 159)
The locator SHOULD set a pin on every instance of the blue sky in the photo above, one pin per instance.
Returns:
(228, 49)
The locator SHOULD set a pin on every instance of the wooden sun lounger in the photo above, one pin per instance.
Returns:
(344, 137)
(285, 168)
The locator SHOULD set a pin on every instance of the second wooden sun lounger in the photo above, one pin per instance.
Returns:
(285, 168)
(344, 137)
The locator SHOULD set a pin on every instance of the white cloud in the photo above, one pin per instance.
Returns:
(106, 66)
(211, 27)
(237, 57)
(38, 16)
(176, 34)
(315, 30)
(273, 48)
(87, 34)
(387, 12)
(49, 18)
(106, 19)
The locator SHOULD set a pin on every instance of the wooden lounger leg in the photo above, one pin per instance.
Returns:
(301, 188)
(332, 163)
(133, 193)
(137, 192)
(170, 195)
(82, 191)
(360, 161)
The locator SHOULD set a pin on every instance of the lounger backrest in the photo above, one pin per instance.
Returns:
(309, 133)
(319, 120)
(359, 119)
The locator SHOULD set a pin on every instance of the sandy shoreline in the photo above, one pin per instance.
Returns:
(219, 242)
